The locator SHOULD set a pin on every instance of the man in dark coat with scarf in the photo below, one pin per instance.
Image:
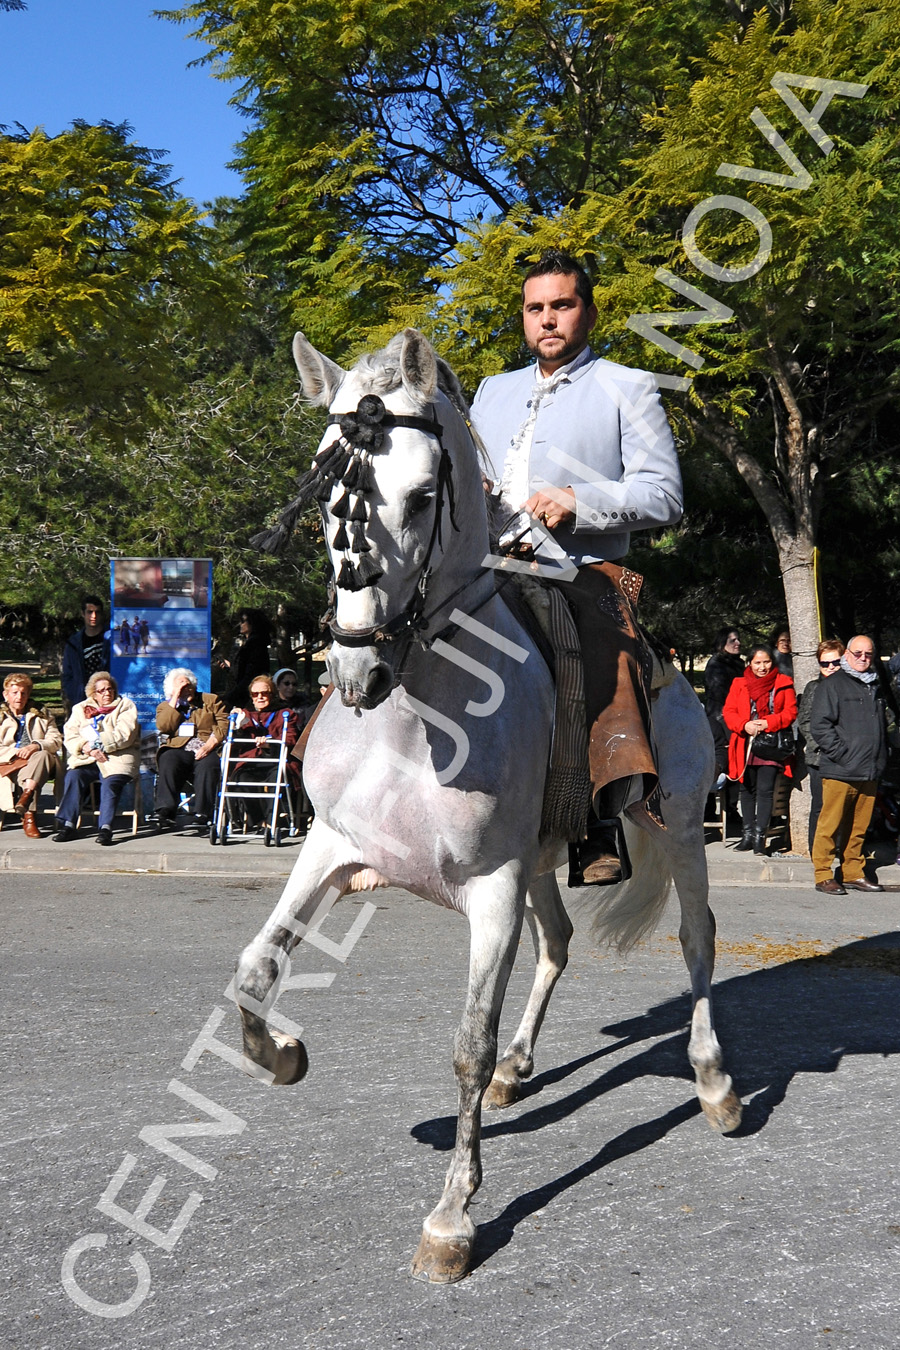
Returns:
(849, 724)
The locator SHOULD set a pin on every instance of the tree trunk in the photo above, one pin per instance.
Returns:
(798, 578)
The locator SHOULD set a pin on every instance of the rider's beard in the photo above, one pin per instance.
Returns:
(568, 351)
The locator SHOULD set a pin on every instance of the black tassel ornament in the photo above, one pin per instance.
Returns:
(342, 506)
(366, 481)
(358, 511)
(367, 572)
(351, 473)
(360, 542)
(340, 540)
(348, 579)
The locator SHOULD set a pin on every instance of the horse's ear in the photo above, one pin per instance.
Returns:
(418, 366)
(319, 376)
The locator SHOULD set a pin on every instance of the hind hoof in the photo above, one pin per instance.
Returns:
(441, 1260)
(724, 1116)
(501, 1092)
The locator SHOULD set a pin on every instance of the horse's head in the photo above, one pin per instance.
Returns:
(392, 485)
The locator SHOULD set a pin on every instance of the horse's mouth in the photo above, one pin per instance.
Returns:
(381, 679)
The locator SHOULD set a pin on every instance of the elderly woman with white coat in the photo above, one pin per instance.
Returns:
(103, 744)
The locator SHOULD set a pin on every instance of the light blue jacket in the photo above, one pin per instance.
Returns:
(604, 434)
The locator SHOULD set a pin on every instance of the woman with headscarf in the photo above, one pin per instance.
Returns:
(762, 701)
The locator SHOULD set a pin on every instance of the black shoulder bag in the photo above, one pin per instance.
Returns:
(775, 745)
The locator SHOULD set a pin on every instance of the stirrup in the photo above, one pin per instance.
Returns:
(580, 852)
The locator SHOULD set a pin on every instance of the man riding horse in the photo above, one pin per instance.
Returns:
(583, 446)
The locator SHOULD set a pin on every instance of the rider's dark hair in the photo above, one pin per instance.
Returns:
(92, 600)
(553, 262)
(723, 635)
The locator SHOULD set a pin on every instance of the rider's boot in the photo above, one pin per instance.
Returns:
(601, 859)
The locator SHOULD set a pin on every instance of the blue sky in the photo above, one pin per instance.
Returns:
(95, 59)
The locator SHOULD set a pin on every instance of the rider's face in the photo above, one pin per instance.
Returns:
(556, 320)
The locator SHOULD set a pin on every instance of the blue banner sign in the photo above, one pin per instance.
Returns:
(161, 617)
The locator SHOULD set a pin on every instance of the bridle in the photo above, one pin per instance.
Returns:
(362, 435)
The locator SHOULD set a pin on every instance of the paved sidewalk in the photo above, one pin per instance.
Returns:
(190, 855)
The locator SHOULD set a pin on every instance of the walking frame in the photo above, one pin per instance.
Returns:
(244, 787)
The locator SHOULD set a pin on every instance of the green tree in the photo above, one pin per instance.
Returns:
(96, 246)
(382, 132)
(222, 454)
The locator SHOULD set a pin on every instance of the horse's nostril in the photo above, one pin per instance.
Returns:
(380, 682)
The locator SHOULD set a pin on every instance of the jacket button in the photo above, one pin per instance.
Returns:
(614, 515)
(603, 515)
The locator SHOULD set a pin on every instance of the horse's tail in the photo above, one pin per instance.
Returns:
(624, 914)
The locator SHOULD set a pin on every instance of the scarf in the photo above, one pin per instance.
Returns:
(91, 711)
(760, 686)
(867, 676)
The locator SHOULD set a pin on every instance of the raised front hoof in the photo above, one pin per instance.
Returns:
(293, 1060)
(501, 1092)
(441, 1260)
(301, 1065)
(724, 1116)
(286, 1066)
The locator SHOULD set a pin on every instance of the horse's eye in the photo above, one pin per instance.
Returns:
(417, 501)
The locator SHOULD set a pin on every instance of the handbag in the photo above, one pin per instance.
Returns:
(774, 745)
(13, 766)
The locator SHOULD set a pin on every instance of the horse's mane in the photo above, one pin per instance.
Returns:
(379, 373)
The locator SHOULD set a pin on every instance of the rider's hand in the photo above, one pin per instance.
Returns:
(553, 508)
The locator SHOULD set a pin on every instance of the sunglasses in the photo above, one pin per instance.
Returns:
(862, 656)
(260, 693)
(826, 664)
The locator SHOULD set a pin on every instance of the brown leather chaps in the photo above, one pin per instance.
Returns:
(617, 671)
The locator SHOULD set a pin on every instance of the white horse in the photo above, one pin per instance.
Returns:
(422, 780)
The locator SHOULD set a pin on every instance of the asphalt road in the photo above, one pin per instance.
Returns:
(610, 1214)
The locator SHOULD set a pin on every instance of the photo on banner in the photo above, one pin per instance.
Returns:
(161, 617)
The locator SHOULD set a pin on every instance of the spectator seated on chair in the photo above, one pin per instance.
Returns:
(195, 725)
(103, 744)
(264, 721)
(29, 744)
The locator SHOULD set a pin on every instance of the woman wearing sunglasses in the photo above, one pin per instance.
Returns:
(828, 654)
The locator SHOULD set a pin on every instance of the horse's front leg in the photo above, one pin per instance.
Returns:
(495, 906)
(721, 1104)
(318, 879)
(551, 930)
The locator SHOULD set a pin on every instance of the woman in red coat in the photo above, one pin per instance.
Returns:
(760, 700)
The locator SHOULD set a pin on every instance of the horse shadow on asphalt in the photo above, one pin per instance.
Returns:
(803, 1016)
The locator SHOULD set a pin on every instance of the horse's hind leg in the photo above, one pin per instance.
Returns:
(686, 770)
(697, 933)
(551, 931)
(317, 880)
(495, 906)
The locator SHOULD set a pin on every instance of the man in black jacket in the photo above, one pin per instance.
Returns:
(86, 652)
(849, 725)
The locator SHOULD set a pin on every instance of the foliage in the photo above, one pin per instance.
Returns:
(382, 133)
(223, 454)
(95, 252)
